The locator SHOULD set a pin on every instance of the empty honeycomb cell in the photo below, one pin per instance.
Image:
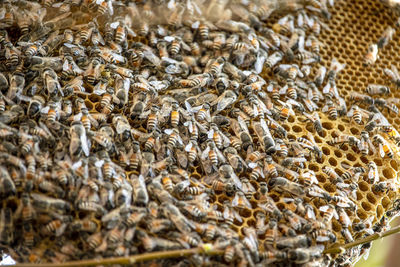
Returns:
(332, 161)
(388, 173)
(350, 157)
(326, 150)
(328, 125)
(291, 119)
(371, 198)
(385, 202)
(366, 206)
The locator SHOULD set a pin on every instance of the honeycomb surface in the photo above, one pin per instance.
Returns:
(354, 25)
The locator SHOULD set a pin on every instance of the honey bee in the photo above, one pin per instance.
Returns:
(393, 74)
(371, 56)
(384, 147)
(377, 89)
(331, 109)
(274, 59)
(334, 69)
(264, 135)
(6, 226)
(304, 255)
(282, 184)
(386, 37)
(316, 121)
(329, 212)
(343, 139)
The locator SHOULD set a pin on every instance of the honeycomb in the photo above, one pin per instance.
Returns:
(353, 26)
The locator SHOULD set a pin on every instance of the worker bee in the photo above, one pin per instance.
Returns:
(386, 37)
(371, 56)
(316, 121)
(377, 89)
(331, 109)
(384, 147)
(282, 184)
(393, 74)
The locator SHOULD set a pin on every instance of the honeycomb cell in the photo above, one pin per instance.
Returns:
(332, 161)
(385, 202)
(326, 150)
(363, 185)
(366, 206)
(350, 157)
(388, 173)
(371, 198)
(379, 211)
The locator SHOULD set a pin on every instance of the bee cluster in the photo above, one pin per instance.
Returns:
(131, 127)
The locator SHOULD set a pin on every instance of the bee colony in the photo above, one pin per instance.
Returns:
(267, 129)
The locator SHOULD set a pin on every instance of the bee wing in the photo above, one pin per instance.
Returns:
(270, 87)
(395, 72)
(114, 25)
(210, 134)
(84, 143)
(381, 151)
(204, 155)
(283, 90)
(225, 140)
(221, 157)
(210, 178)
(324, 208)
(188, 147)
(196, 24)
(301, 43)
(288, 200)
(169, 38)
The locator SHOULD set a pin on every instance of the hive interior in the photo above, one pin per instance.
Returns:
(353, 26)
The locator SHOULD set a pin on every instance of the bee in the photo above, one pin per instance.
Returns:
(377, 89)
(6, 226)
(393, 74)
(331, 109)
(273, 88)
(334, 69)
(56, 227)
(320, 76)
(329, 212)
(152, 119)
(274, 59)
(264, 135)
(174, 138)
(282, 184)
(386, 37)
(371, 56)
(304, 255)
(282, 149)
(345, 139)
(384, 147)
(316, 121)
(215, 67)
(79, 142)
(295, 221)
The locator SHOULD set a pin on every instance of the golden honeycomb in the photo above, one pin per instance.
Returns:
(353, 26)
